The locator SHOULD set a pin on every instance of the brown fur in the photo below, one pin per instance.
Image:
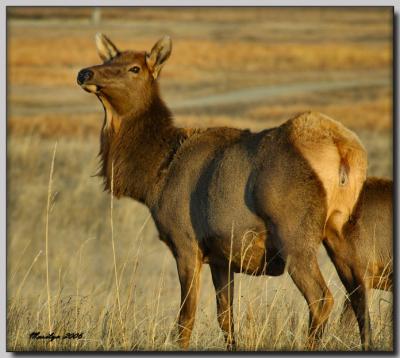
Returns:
(364, 257)
(239, 201)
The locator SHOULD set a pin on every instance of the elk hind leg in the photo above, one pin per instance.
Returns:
(355, 286)
(307, 276)
(359, 302)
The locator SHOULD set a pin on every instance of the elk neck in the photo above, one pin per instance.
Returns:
(136, 150)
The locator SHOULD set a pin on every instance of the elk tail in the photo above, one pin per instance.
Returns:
(344, 170)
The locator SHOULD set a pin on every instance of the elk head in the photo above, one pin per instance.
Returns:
(126, 81)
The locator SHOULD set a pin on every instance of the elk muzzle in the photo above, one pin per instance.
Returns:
(83, 76)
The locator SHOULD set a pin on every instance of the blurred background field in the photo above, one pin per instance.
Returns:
(247, 68)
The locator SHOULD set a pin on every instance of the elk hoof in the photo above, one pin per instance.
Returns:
(231, 346)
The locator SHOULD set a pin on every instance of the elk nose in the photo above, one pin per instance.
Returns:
(84, 75)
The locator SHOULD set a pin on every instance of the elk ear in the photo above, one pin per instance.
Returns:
(106, 49)
(159, 55)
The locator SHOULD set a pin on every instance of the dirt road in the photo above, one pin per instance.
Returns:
(29, 100)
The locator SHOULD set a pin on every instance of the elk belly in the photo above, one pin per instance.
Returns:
(244, 252)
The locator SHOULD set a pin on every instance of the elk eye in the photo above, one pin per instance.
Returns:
(135, 69)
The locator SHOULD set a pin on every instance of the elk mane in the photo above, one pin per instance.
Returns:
(142, 150)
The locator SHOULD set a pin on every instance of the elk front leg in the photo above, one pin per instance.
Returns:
(306, 275)
(189, 267)
(223, 282)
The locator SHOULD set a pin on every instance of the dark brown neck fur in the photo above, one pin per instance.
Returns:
(141, 151)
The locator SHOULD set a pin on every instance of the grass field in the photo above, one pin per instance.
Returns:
(249, 68)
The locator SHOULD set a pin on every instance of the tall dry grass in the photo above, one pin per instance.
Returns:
(112, 280)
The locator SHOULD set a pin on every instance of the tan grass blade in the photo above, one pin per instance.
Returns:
(47, 237)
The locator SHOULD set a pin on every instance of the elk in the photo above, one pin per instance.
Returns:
(257, 203)
(363, 258)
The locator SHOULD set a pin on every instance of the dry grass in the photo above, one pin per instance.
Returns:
(118, 284)
(270, 313)
(190, 58)
(262, 42)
